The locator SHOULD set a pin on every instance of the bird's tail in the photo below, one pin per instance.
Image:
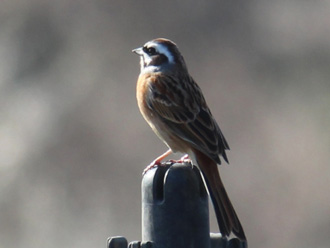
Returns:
(226, 216)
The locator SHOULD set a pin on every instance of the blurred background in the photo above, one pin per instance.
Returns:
(73, 143)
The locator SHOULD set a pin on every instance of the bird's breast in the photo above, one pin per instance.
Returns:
(142, 89)
(156, 124)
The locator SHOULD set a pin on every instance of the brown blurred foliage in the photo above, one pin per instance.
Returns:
(73, 144)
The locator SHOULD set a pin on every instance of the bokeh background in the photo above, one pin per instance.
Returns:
(73, 144)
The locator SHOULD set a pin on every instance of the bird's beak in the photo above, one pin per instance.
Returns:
(138, 51)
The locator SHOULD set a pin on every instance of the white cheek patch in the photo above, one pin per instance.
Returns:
(144, 61)
(145, 68)
(147, 59)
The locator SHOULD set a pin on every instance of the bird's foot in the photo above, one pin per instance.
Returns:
(158, 161)
(184, 159)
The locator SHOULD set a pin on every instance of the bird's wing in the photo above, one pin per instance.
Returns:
(183, 108)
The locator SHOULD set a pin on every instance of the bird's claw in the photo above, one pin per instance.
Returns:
(157, 163)
(184, 159)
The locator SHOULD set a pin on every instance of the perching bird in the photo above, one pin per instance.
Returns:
(174, 106)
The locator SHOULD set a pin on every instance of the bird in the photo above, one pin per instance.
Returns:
(173, 105)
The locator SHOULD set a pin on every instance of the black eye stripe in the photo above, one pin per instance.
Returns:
(160, 59)
(150, 50)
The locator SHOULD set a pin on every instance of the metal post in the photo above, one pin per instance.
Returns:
(175, 212)
(175, 208)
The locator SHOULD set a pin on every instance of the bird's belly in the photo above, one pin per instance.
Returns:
(175, 143)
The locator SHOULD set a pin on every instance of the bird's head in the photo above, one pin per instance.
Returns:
(160, 55)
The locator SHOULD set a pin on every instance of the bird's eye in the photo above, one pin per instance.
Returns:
(150, 50)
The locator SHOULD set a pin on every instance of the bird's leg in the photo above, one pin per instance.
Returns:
(157, 161)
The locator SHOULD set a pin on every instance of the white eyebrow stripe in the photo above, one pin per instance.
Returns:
(162, 49)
